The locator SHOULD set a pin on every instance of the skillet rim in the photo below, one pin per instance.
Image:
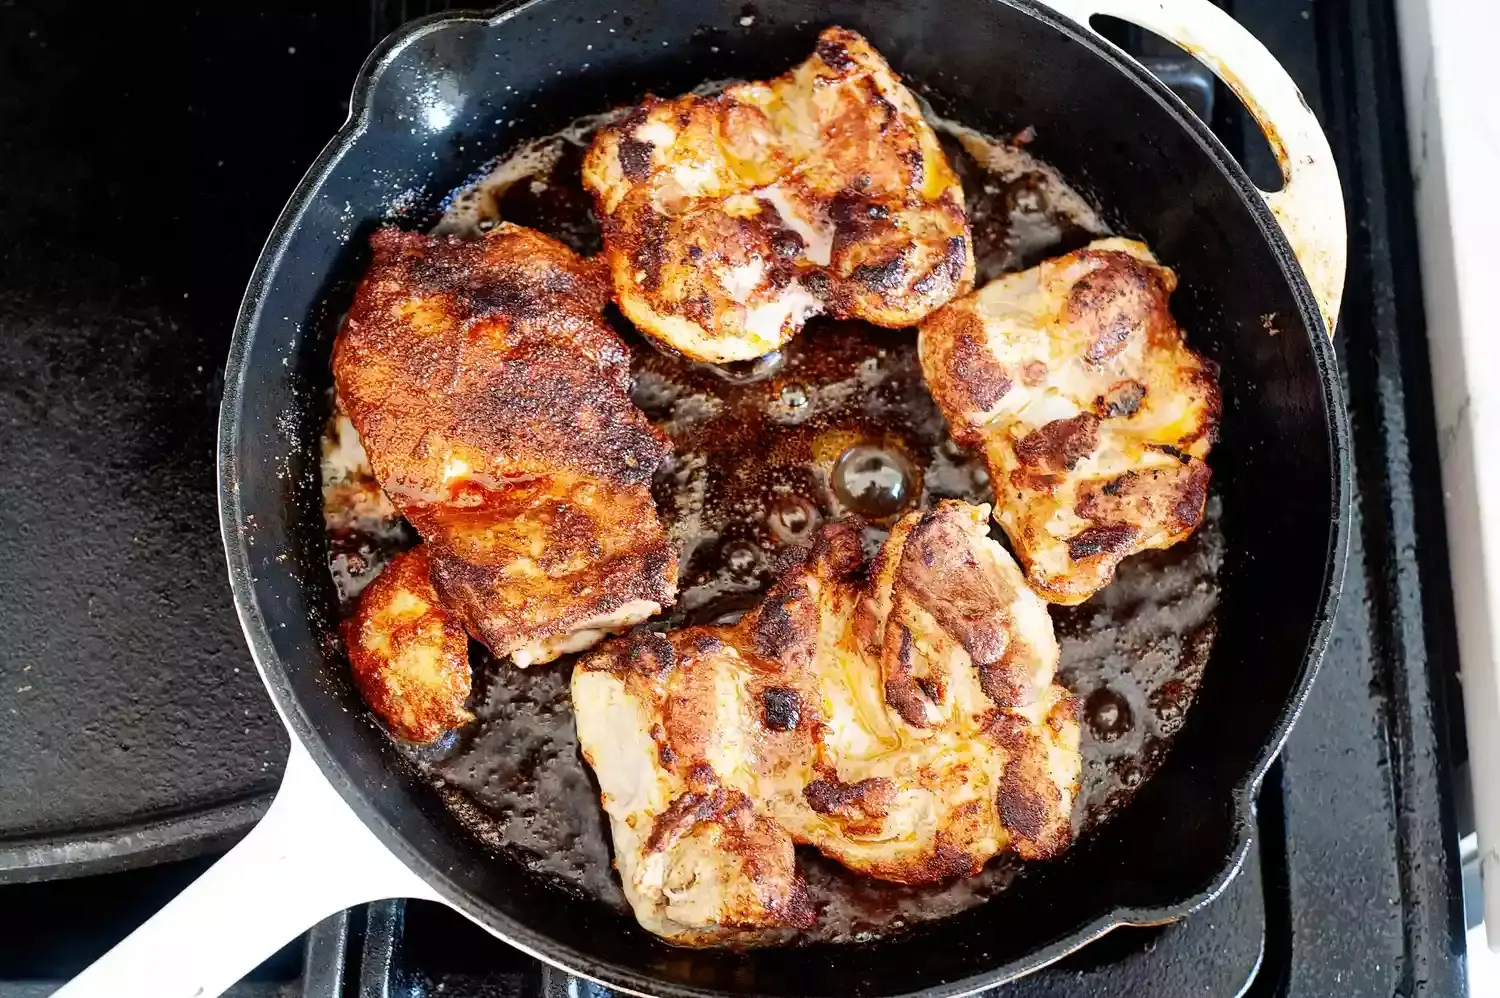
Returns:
(567, 958)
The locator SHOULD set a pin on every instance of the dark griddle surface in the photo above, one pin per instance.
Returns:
(144, 154)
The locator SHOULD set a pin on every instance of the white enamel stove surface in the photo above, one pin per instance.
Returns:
(1448, 55)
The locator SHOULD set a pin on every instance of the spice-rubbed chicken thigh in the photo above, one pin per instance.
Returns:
(492, 399)
(731, 219)
(410, 658)
(1093, 415)
(907, 726)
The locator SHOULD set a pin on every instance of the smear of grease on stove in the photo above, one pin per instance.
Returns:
(757, 449)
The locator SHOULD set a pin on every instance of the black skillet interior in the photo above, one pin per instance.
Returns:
(436, 103)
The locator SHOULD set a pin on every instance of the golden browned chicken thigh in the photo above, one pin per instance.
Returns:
(731, 219)
(907, 726)
(1093, 415)
(409, 656)
(492, 399)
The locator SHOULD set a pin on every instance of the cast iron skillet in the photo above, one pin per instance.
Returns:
(439, 98)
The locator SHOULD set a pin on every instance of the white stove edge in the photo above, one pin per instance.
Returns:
(1448, 52)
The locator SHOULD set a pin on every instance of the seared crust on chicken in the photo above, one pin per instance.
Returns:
(967, 658)
(1093, 415)
(907, 726)
(409, 656)
(729, 220)
(492, 399)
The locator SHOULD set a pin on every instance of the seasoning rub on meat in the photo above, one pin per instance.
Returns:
(730, 220)
(493, 401)
(1093, 415)
(907, 726)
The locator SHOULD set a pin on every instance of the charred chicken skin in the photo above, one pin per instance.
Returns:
(907, 726)
(409, 656)
(731, 219)
(1093, 415)
(493, 402)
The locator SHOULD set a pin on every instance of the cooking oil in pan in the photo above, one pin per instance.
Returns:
(836, 422)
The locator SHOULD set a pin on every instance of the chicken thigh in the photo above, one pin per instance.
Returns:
(1093, 415)
(731, 219)
(907, 726)
(493, 402)
(410, 658)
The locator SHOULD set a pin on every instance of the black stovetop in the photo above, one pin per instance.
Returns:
(1353, 889)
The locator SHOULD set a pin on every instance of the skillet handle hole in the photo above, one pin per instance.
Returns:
(1205, 94)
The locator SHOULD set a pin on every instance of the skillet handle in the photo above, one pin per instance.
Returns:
(1310, 205)
(307, 858)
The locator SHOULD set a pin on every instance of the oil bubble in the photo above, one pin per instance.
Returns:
(872, 482)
